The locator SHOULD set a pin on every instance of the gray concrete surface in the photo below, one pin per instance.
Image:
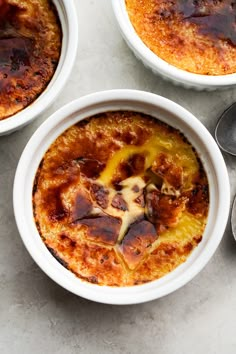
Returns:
(36, 315)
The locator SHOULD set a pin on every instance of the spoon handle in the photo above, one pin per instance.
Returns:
(233, 218)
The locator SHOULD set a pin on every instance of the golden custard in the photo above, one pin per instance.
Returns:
(30, 47)
(121, 199)
(198, 36)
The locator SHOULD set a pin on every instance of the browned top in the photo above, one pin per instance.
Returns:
(120, 199)
(30, 46)
(194, 35)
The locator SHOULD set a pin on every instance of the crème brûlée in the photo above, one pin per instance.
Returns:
(30, 47)
(198, 36)
(121, 199)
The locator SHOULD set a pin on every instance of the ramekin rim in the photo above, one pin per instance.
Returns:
(114, 296)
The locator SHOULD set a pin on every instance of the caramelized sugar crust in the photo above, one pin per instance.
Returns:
(198, 36)
(121, 199)
(30, 46)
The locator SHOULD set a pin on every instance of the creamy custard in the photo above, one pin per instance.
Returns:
(121, 199)
(30, 47)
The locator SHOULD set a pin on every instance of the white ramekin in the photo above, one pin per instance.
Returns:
(67, 14)
(161, 67)
(168, 112)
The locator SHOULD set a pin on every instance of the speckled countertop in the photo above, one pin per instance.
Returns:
(36, 315)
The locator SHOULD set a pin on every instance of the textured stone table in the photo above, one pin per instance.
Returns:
(36, 315)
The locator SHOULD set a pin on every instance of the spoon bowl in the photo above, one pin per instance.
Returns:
(225, 132)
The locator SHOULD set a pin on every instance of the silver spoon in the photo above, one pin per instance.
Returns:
(225, 134)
